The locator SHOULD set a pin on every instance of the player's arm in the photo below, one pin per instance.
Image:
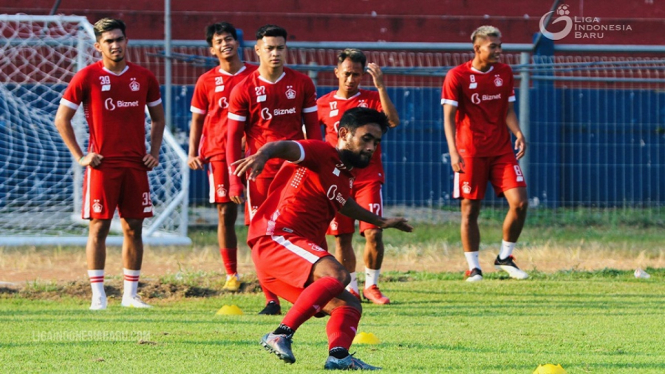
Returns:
(63, 122)
(514, 126)
(449, 112)
(151, 160)
(355, 211)
(235, 132)
(195, 131)
(386, 104)
(312, 125)
(285, 149)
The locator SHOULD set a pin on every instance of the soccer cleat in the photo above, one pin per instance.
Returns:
(347, 363)
(374, 295)
(232, 284)
(354, 293)
(280, 345)
(134, 302)
(475, 275)
(98, 302)
(508, 265)
(271, 309)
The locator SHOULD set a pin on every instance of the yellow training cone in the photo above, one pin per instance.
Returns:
(230, 310)
(549, 369)
(366, 338)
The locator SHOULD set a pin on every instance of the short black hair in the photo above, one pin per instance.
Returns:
(270, 30)
(353, 54)
(218, 29)
(357, 117)
(108, 24)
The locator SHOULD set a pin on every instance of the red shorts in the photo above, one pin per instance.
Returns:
(502, 171)
(257, 191)
(368, 196)
(284, 263)
(218, 181)
(104, 189)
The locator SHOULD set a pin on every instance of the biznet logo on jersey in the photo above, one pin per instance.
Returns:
(478, 98)
(584, 27)
(267, 116)
(109, 105)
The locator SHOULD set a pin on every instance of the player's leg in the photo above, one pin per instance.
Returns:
(101, 189)
(343, 227)
(96, 255)
(470, 186)
(368, 196)
(301, 272)
(227, 213)
(134, 206)
(508, 180)
(257, 191)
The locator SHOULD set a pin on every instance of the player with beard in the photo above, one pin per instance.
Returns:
(287, 233)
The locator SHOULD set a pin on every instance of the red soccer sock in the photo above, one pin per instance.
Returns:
(269, 295)
(342, 327)
(312, 300)
(230, 259)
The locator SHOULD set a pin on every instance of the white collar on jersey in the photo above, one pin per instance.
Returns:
(482, 72)
(342, 98)
(119, 74)
(222, 71)
(275, 82)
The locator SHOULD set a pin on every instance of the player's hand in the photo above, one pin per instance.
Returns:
(194, 163)
(235, 196)
(253, 164)
(377, 75)
(456, 162)
(520, 147)
(150, 161)
(91, 159)
(397, 223)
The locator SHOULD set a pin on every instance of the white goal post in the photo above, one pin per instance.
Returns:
(40, 183)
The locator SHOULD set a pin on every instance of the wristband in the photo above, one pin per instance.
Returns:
(81, 159)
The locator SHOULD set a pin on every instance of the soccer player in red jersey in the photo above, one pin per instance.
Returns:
(114, 93)
(208, 134)
(271, 104)
(478, 110)
(368, 181)
(287, 232)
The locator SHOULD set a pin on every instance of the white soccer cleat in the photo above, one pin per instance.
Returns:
(134, 302)
(98, 302)
(508, 265)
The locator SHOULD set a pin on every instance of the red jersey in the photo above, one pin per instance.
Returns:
(211, 98)
(305, 195)
(330, 110)
(482, 105)
(114, 106)
(272, 111)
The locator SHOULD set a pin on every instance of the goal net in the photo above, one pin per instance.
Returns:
(40, 183)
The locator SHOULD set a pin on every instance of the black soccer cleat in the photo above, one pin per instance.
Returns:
(271, 309)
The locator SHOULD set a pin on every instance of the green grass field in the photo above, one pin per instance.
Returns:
(589, 322)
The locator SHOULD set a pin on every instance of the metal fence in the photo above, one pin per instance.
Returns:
(595, 124)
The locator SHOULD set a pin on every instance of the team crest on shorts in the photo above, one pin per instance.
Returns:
(466, 188)
(97, 207)
(290, 92)
(134, 85)
(333, 224)
(221, 191)
(498, 81)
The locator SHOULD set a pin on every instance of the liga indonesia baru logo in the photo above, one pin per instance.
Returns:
(583, 27)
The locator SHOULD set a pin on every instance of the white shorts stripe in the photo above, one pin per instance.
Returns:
(249, 202)
(211, 184)
(86, 195)
(456, 194)
(295, 249)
